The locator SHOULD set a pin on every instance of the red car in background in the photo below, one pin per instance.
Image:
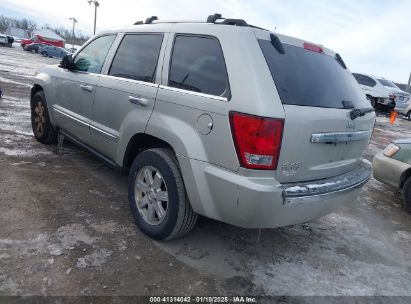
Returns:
(45, 36)
(38, 39)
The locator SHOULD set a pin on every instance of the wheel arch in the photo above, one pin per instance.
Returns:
(140, 142)
(34, 90)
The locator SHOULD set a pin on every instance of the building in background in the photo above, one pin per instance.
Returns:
(45, 36)
(17, 32)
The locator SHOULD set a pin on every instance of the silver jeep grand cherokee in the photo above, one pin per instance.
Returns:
(217, 118)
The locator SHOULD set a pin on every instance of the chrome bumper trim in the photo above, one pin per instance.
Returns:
(350, 180)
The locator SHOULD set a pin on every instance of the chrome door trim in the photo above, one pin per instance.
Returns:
(149, 84)
(72, 117)
(193, 93)
(334, 137)
(103, 133)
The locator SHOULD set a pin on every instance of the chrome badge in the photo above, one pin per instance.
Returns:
(351, 125)
(290, 168)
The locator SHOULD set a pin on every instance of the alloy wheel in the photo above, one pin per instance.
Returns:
(151, 195)
(39, 118)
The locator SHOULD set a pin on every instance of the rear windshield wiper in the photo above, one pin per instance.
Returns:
(360, 112)
(348, 104)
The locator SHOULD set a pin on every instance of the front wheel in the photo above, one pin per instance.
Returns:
(406, 195)
(44, 54)
(408, 116)
(157, 196)
(40, 120)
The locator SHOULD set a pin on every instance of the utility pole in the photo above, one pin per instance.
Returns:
(96, 4)
(408, 85)
(74, 23)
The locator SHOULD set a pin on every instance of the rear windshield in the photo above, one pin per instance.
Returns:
(387, 83)
(307, 78)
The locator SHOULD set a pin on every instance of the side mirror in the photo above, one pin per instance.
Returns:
(67, 62)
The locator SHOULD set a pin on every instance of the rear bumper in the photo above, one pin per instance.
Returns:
(403, 108)
(262, 202)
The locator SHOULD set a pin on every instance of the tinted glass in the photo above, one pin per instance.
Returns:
(308, 78)
(364, 80)
(91, 58)
(197, 64)
(137, 57)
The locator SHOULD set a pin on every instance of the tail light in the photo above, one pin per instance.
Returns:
(257, 140)
(391, 150)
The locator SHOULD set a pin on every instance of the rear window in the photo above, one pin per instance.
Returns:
(387, 83)
(197, 64)
(308, 78)
(365, 80)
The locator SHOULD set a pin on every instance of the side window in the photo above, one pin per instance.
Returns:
(197, 64)
(91, 58)
(137, 57)
(370, 82)
(364, 80)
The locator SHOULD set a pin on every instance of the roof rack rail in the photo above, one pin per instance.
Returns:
(214, 19)
(151, 19)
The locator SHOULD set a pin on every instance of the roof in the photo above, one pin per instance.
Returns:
(46, 33)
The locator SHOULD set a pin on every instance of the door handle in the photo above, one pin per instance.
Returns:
(138, 100)
(86, 88)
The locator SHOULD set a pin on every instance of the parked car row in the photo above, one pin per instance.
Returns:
(384, 94)
(46, 50)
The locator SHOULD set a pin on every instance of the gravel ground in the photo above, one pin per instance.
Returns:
(65, 227)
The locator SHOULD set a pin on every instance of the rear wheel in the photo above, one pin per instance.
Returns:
(44, 54)
(406, 195)
(157, 196)
(40, 120)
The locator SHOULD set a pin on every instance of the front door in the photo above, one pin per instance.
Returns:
(76, 89)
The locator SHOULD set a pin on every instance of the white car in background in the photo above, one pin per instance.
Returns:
(3, 39)
(381, 91)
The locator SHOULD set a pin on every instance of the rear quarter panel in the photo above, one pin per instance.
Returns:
(252, 91)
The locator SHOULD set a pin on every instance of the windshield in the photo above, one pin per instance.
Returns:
(307, 78)
(387, 83)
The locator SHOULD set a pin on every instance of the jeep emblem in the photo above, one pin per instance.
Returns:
(351, 125)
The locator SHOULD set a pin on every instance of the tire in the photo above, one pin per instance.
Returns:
(408, 116)
(44, 54)
(40, 120)
(179, 217)
(406, 195)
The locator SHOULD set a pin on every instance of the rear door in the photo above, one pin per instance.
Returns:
(125, 96)
(318, 93)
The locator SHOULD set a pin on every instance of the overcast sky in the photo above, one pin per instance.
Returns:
(372, 36)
